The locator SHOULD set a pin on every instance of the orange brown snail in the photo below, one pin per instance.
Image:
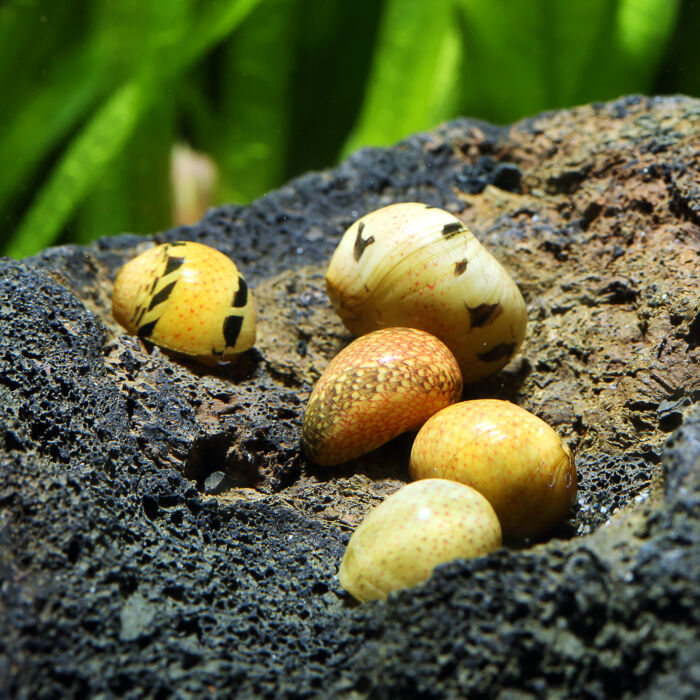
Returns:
(381, 385)
(418, 266)
(421, 525)
(506, 453)
(188, 298)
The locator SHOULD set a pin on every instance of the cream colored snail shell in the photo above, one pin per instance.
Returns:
(381, 385)
(405, 537)
(188, 298)
(418, 266)
(511, 456)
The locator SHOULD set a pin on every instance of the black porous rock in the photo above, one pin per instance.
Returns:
(161, 535)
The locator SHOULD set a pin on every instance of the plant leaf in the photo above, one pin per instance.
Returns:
(92, 150)
(255, 102)
(414, 75)
(521, 57)
(333, 58)
(133, 194)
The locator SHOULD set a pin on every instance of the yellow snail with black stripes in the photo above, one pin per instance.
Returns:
(188, 298)
(417, 266)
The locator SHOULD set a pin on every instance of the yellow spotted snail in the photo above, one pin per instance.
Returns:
(421, 525)
(506, 453)
(188, 298)
(418, 266)
(381, 385)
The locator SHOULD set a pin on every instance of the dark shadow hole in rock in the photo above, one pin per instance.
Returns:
(109, 468)
(693, 335)
(189, 626)
(363, 684)
(190, 660)
(166, 500)
(163, 693)
(319, 588)
(217, 468)
(73, 550)
(150, 507)
(121, 684)
(176, 592)
(12, 442)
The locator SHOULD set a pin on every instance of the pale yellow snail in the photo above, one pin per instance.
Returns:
(381, 385)
(421, 525)
(418, 266)
(186, 297)
(506, 453)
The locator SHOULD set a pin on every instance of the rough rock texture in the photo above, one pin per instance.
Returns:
(162, 536)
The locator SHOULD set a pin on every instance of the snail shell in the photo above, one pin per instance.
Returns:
(506, 453)
(421, 525)
(186, 297)
(414, 265)
(381, 385)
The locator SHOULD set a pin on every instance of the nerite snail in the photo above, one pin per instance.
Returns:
(188, 298)
(406, 536)
(506, 453)
(381, 385)
(418, 266)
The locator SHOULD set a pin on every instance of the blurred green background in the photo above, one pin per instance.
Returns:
(132, 115)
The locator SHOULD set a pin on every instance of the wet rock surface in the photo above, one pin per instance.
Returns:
(161, 534)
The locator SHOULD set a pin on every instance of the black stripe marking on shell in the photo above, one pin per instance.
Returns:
(232, 329)
(173, 264)
(360, 243)
(240, 298)
(452, 229)
(162, 295)
(460, 267)
(147, 329)
(484, 314)
(497, 353)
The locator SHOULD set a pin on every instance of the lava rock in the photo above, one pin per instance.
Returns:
(162, 535)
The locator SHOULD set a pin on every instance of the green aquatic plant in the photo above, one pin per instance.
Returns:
(96, 94)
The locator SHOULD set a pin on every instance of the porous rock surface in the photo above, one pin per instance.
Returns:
(161, 535)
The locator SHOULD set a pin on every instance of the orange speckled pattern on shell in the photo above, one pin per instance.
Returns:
(381, 385)
(510, 455)
(419, 526)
